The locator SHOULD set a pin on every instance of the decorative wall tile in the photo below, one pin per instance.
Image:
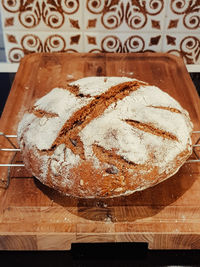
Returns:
(183, 16)
(171, 26)
(183, 45)
(182, 30)
(122, 42)
(23, 43)
(42, 15)
(124, 15)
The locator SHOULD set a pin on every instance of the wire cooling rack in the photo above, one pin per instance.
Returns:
(4, 183)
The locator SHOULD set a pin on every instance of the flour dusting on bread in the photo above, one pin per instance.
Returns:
(112, 137)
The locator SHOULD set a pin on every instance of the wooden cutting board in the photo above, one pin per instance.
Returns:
(34, 217)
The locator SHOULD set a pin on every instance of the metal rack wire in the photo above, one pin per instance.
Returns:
(9, 165)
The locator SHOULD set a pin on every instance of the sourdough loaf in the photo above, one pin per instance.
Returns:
(104, 137)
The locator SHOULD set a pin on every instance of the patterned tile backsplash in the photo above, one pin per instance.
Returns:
(171, 26)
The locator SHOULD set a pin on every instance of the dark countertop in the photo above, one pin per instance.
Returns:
(119, 254)
(94, 255)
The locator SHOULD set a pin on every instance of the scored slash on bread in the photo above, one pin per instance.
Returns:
(149, 128)
(94, 109)
(105, 137)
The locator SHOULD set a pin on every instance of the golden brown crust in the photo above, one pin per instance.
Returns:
(90, 182)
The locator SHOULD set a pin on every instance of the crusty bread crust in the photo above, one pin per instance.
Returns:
(105, 137)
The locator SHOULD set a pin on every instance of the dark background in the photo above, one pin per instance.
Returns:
(103, 254)
(95, 255)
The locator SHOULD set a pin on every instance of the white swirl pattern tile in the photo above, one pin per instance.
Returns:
(171, 26)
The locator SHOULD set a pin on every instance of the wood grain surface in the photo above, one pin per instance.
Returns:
(35, 217)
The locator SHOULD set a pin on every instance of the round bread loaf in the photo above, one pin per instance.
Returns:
(104, 137)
